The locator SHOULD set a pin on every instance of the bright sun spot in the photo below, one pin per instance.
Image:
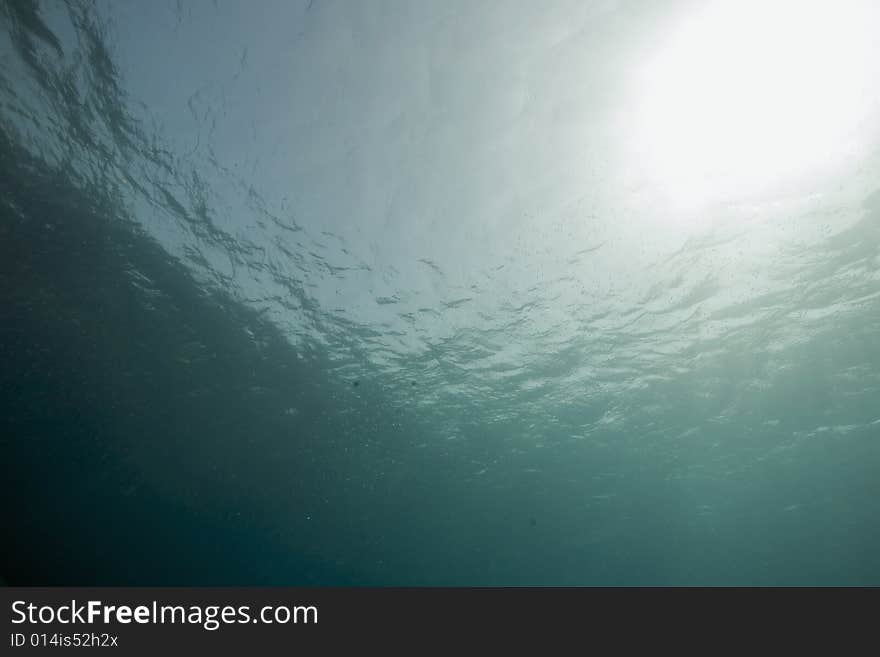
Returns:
(749, 95)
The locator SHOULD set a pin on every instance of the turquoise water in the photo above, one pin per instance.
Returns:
(369, 294)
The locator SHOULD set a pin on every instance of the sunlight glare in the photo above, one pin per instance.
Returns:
(749, 95)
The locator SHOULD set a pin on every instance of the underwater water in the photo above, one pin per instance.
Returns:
(369, 293)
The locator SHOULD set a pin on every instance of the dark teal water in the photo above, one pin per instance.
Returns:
(329, 295)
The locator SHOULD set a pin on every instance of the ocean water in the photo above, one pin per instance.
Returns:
(375, 293)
